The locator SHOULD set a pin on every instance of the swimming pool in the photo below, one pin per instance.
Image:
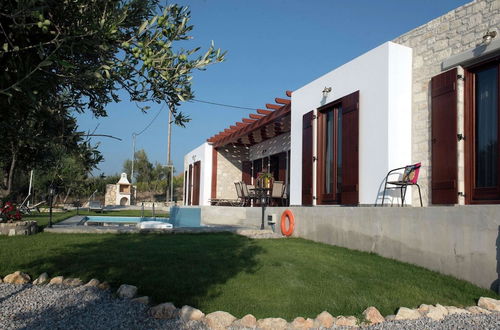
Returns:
(177, 222)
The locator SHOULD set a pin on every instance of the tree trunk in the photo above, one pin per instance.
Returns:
(11, 172)
(67, 195)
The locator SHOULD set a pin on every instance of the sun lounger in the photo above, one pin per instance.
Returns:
(95, 206)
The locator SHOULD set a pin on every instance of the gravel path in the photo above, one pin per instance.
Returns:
(62, 307)
(453, 322)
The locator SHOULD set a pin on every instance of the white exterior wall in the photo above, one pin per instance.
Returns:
(203, 153)
(383, 78)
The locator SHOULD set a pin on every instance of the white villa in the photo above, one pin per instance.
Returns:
(429, 96)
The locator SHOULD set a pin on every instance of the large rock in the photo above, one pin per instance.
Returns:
(477, 310)
(436, 313)
(104, 286)
(302, 323)
(164, 311)
(372, 315)
(455, 310)
(489, 304)
(145, 300)
(272, 323)
(42, 279)
(127, 291)
(57, 280)
(93, 282)
(189, 313)
(407, 314)
(17, 278)
(324, 319)
(219, 320)
(247, 321)
(391, 317)
(343, 321)
(70, 281)
(423, 309)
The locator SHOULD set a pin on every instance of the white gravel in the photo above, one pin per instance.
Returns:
(452, 322)
(62, 307)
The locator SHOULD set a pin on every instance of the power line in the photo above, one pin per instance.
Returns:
(151, 122)
(224, 105)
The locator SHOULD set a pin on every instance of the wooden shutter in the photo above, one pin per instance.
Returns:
(186, 188)
(213, 192)
(246, 172)
(196, 183)
(307, 158)
(257, 168)
(282, 167)
(190, 183)
(350, 150)
(444, 173)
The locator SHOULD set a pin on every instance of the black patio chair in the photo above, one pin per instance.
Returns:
(409, 178)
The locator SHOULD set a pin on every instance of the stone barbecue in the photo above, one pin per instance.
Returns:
(122, 193)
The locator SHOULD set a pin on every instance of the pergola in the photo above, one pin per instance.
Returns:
(263, 125)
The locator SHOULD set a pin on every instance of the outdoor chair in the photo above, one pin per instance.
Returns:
(408, 178)
(239, 191)
(25, 209)
(248, 193)
(277, 192)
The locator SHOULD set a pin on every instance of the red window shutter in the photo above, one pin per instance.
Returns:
(213, 192)
(307, 158)
(190, 183)
(444, 173)
(350, 150)
(282, 167)
(196, 182)
(246, 172)
(186, 193)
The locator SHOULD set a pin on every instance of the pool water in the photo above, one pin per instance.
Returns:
(191, 218)
(122, 219)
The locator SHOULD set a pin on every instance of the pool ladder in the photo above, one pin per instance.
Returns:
(142, 211)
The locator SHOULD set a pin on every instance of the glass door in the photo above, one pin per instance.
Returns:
(486, 164)
(329, 155)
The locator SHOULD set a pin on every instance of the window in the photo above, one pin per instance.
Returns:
(338, 152)
(482, 125)
(330, 154)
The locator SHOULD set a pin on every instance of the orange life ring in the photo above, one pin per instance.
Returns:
(287, 215)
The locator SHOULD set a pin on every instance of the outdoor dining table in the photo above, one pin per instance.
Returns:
(262, 194)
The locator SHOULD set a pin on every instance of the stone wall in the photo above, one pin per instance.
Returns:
(19, 228)
(455, 32)
(229, 162)
(110, 197)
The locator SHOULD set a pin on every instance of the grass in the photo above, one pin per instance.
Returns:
(43, 218)
(281, 278)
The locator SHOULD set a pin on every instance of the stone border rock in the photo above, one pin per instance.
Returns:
(222, 320)
(16, 228)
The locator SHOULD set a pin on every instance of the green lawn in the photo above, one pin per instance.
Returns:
(43, 218)
(280, 278)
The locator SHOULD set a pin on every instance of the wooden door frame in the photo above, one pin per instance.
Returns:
(469, 130)
(334, 197)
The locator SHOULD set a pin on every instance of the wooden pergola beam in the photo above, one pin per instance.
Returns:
(264, 112)
(281, 101)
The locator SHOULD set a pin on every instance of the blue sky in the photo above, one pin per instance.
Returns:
(273, 46)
